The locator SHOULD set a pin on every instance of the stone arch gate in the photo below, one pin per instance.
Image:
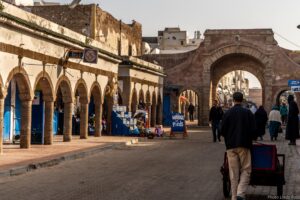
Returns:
(223, 51)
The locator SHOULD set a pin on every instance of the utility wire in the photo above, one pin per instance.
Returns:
(284, 38)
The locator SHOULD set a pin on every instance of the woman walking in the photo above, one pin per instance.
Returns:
(292, 127)
(274, 122)
(261, 119)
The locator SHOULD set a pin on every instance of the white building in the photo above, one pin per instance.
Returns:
(21, 2)
(173, 40)
(234, 81)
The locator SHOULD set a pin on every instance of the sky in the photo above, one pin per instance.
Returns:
(191, 15)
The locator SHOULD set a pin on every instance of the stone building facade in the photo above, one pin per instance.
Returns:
(234, 81)
(38, 80)
(95, 23)
(171, 41)
(223, 51)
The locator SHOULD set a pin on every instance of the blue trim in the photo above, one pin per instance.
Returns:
(17, 113)
(7, 115)
(167, 114)
(37, 122)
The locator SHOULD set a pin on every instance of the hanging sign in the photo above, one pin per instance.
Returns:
(293, 83)
(90, 56)
(77, 54)
(295, 88)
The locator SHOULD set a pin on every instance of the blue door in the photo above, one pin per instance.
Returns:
(37, 122)
(167, 117)
(55, 122)
(17, 114)
(7, 116)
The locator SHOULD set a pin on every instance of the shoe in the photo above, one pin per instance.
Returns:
(239, 198)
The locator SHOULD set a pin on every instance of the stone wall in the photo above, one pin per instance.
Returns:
(97, 24)
(108, 29)
(255, 95)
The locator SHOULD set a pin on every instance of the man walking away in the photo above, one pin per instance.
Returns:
(238, 128)
(292, 127)
(215, 116)
(191, 109)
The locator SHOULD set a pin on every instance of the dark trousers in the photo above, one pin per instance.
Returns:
(284, 119)
(191, 116)
(216, 130)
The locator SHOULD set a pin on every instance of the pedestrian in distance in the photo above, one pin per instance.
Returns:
(274, 122)
(283, 113)
(191, 109)
(253, 109)
(215, 117)
(238, 128)
(292, 127)
(261, 119)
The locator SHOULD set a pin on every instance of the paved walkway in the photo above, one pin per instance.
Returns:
(174, 169)
(14, 157)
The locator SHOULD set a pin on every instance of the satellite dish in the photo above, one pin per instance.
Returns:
(74, 4)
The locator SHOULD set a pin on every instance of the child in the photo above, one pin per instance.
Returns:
(159, 130)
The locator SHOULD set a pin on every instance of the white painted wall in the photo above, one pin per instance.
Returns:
(22, 2)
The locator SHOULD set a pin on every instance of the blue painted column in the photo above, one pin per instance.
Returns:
(1, 124)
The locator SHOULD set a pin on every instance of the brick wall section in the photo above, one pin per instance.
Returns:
(77, 19)
(107, 28)
(255, 95)
(168, 61)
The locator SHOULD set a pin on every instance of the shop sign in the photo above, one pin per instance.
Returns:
(178, 122)
(293, 83)
(295, 88)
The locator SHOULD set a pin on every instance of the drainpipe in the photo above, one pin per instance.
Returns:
(93, 21)
(120, 47)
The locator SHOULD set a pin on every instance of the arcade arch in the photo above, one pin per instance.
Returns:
(81, 107)
(134, 101)
(235, 62)
(64, 107)
(153, 109)
(186, 98)
(95, 108)
(159, 118)
(42, 110)
(239, 81)
(17, 106)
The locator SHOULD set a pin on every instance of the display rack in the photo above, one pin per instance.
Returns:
(123, 123)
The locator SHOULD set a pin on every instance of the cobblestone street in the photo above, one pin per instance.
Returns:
(155, 169)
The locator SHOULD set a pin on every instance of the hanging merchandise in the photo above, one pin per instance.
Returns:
(123, 123)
